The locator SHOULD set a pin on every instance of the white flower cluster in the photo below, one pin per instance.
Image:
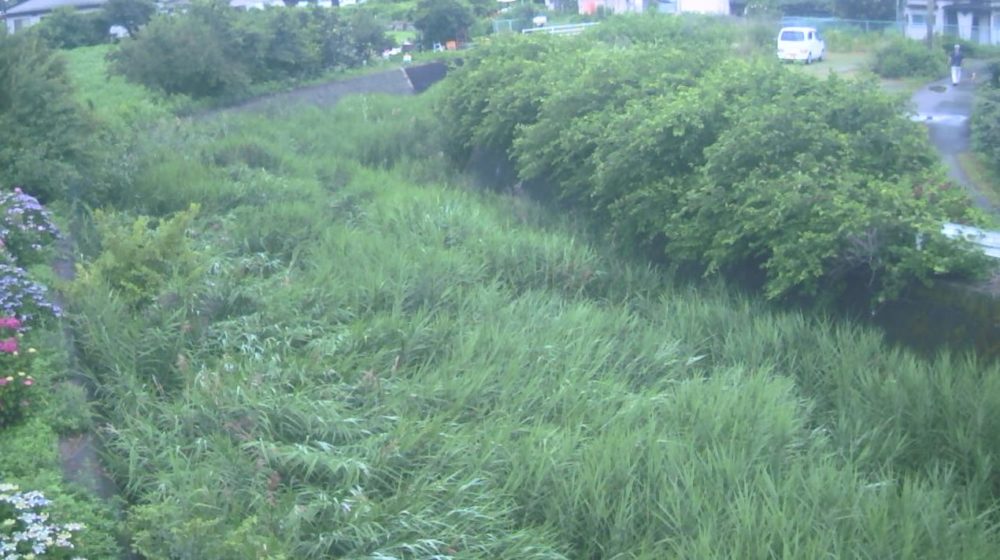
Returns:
(25, 532)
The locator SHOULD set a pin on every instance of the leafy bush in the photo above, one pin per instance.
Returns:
(986, 125)
(22, 297)
(26, 227)
(213, 50)
(721, 161)
(130, 14)
(140, 257)
(905, 58)
(15, 383)
(443, 20)
(180, 55)
(69, 28)
(26, 532)
(49, 142)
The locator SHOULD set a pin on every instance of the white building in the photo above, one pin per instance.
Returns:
(720, 7)
(29, 13)
(255, 4)
(972, 21)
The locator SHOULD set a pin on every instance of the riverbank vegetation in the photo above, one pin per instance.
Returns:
(716, 159)
(350, 364)
(309, 337)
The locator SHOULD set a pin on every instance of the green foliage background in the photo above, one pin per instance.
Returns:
(660, 130)
(212, 50)
(310, 339)
(361, 366)
(48, 142)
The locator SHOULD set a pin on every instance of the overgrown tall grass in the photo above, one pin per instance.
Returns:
(366, 367)
(111, 99)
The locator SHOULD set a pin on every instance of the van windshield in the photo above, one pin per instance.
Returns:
(793, 36)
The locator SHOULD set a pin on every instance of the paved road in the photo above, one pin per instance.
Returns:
(946, 111)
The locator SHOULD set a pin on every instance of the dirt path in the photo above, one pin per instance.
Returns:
(394, 82)
(946, 111)
(397, 81)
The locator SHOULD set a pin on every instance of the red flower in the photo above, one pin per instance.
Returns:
(8, 345)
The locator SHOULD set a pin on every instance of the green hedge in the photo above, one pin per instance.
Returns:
(905, 58)
(213, 50)
(663, 133)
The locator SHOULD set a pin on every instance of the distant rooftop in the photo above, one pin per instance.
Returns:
(44, 6)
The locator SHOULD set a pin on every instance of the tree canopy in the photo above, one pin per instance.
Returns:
(674, 142)
(443, 20)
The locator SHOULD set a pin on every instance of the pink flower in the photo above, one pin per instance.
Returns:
(3, 381)
(9, 323)
(8, 345)
(29, 382)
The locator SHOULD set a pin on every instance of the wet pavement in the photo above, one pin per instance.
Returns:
(946, 110)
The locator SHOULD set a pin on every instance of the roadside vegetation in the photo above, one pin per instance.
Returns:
(353, 365)
(986, 125)
(309, 337)
(716, 159)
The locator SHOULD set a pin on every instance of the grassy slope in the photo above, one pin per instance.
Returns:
(112, 99)
(365, 367)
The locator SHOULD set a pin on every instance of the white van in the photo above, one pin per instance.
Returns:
(800, 43)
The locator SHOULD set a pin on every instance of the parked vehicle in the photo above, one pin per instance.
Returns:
(800, 43)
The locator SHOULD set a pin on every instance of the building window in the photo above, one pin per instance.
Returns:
(918, 18)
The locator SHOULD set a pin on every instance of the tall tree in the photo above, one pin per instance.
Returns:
(442, 20)
(130, 14)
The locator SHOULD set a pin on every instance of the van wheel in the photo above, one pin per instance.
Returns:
(809, 59)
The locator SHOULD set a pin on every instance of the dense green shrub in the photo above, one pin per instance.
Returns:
(180, 55)
(213, 50)
(905, 58)
(130, 14)
(722, 161)
(140, 258)
(443, 20)
(986, 125)
(68, 28)
(48, 141)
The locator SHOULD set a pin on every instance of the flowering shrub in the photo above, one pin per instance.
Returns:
(25, 226)
(14, 382)
(25, 531)
(22, 297)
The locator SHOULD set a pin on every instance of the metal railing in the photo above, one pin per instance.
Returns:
(830, 24)
(568, 29)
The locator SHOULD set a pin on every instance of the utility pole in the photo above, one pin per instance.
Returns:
(931, 12)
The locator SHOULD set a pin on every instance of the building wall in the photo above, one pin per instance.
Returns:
(615, 6)
(703, 7)
(669, 6)
(987, 31)
(17, 23)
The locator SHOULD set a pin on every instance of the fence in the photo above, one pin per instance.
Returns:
(830, 24)
(569, 29)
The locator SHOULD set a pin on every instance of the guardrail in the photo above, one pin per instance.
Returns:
(568, 29)
(988, 241)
